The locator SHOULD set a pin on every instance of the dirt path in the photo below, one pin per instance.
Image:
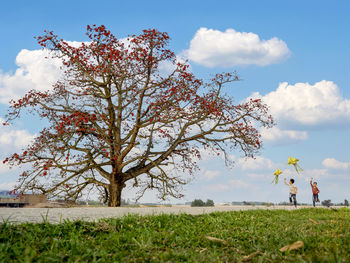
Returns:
(57, 215)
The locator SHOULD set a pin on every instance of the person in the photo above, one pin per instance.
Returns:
(292, 191)
(315, 192)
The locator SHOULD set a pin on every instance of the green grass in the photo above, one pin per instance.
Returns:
(182, 238)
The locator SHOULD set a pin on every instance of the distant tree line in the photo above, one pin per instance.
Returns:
(329, 203)
(200, 202)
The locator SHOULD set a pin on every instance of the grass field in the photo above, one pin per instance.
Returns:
(217, 237)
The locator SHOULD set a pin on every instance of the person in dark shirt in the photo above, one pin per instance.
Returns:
(315, 192)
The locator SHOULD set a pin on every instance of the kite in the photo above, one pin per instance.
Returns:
(294, 162)
(291, 161)
(276, 174)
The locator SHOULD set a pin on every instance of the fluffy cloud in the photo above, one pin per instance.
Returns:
(277, 136)
(3, 169)
(335, 164)
(7, 186)
(239, 184)
(231, 184)
(207, 155)
(167, 67)
(16, 138)
(217, 187)
(12, 139)
(306, 104)
(34, 72)
(258, 175)
(212, 48)
(315, 173)
(211, 174)
(259, 163)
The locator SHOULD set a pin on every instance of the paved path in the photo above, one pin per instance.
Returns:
(57, 215)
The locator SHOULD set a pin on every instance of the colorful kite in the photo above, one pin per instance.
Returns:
(276, 174)
(291, 161)
(294, 162)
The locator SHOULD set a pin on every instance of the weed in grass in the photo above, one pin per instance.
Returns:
(45, 221)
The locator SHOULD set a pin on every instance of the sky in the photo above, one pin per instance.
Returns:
(292, 54)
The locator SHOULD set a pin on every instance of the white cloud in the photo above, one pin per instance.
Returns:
(16, 138)
(212, 48)
(306, 104)
(315, 173)
(231, 184)
(335, 164)
(34, 72)
(259, 163)
(258, 175)
(167, 67)
(13, 140)
(217, 187)
(211, 174)
(305, 175)
(207, 154)
(7, 186)
(277, 136)
(3, 168)
(236, 183)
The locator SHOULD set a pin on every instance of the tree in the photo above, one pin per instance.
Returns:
(115, 117)
(327, 203)
(346, 202)
(197, 202)
(209, 202)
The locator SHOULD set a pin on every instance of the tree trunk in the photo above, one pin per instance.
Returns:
(115, 194)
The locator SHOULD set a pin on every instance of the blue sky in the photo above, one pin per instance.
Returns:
(296, 59)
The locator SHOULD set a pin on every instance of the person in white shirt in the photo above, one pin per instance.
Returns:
(292, 191)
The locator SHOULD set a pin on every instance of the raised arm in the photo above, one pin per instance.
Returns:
(285, 182)
(311, 182)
